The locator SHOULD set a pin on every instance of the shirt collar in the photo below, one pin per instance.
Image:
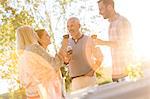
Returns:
(115, 18)
(76, 40)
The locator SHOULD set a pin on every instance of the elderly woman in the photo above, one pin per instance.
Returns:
(36, 68)
(44, 41)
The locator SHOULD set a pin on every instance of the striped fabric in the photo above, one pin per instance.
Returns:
(120, 32)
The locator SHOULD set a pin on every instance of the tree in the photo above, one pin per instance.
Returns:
(14, 14)
(39, 14)
(11, 19)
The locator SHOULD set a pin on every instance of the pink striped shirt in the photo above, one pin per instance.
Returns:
(120, 32)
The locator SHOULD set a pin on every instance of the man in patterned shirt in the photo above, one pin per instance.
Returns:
(119, 38)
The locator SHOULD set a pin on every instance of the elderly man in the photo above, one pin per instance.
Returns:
(85, 58)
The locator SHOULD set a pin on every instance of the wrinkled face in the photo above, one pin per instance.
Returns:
(103, 10)
(45, 38)
(73, 27)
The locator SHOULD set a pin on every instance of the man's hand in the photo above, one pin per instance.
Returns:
(64, 55)
(99, 42)
(65, 50)
(65, 41)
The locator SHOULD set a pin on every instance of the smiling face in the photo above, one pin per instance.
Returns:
(103, 10)
(106, 8)
(44, 37)
(73, 26)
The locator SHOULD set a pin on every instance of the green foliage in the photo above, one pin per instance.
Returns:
(18, 94)
(134, 71)
(15, 13)
(11, 19)
(67, 78)
(64, 2)
(102, 76)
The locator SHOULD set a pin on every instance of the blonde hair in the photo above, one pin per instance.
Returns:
(25, 37)
(40, 32)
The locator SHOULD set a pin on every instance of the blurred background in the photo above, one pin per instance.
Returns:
(52, 15)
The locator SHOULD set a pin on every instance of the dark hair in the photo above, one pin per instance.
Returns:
(107, 2)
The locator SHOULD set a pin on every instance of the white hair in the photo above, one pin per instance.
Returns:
(74, 19)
